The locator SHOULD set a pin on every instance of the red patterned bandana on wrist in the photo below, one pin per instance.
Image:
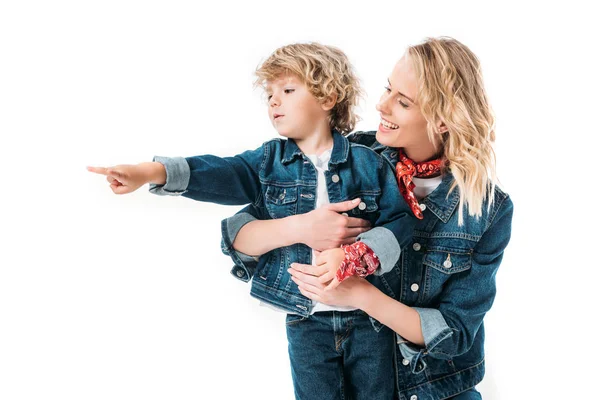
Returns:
(359, 260)
(406, 169)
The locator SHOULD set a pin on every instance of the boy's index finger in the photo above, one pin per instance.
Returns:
(99, 170)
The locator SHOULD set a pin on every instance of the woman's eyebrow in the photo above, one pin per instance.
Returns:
(402, 94)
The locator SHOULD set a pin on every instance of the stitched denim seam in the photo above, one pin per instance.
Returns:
(446, 376)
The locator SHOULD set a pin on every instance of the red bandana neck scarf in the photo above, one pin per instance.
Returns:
(406, 169)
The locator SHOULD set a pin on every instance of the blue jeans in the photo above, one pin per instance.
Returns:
(338, 355)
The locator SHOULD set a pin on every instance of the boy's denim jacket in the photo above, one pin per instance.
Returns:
(447, 274)
(279, 181)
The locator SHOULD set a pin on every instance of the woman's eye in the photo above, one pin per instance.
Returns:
(402, 104)
(387, 89)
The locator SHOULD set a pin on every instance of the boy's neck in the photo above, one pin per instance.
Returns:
(317, 142)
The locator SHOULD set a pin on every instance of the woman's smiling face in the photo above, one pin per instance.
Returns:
(402, 123)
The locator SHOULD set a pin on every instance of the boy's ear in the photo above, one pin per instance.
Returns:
(329, 102)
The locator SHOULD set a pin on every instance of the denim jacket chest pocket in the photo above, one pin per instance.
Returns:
(281, 201)
(442, 264)
(366, 209)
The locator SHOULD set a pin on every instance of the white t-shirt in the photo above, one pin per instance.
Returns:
(423, 187)
(321, 164)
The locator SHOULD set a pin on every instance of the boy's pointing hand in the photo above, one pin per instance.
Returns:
(128, 178)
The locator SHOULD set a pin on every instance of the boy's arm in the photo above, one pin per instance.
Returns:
(222, 180)
(244, 264)
(394, 223)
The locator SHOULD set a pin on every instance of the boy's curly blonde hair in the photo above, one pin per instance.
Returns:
(325, 70)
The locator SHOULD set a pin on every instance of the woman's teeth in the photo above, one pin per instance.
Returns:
(388, 124)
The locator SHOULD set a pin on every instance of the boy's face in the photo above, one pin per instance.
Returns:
(293, 110)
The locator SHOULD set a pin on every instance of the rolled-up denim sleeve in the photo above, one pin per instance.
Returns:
(222, 180)
(394, 222)
(178, 176)
(450, 329)
(244, 265)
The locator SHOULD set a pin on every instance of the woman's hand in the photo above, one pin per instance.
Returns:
(327, 228)
(350, 293)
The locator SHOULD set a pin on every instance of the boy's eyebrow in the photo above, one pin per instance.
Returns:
(402, 94)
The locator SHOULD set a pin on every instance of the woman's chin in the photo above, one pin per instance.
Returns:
(385, 138)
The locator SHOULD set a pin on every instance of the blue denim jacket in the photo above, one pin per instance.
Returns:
(447, 273)
(278, 180)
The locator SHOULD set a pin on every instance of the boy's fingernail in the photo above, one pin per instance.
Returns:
(355, 201)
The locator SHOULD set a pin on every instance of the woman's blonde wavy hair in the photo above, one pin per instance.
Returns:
(450, 90)
(325, 70)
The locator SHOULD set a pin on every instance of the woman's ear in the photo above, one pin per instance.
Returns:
(329, 102)
(442, 128)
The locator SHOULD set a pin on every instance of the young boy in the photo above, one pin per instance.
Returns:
(312, 92)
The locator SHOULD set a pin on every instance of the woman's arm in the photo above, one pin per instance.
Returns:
(402, 319)
(443, 331)
(360, 293)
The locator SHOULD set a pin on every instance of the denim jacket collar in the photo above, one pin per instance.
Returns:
(339, 154)
(441, 203)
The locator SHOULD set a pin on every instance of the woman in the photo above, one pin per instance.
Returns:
(437, 132)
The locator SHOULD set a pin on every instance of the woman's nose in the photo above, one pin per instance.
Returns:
(383, 105)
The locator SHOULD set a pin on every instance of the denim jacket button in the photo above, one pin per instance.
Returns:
(447, 264)
(423, 207)
(335, 178)
(240, 273)
(362, 205)
(416, 246)
(414, 287)
(405, 362)
(413, 397)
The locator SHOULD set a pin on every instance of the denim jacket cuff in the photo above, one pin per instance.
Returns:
(434, 327)
(245, 265)
(385, 245)
(178, 176)
(412, 355)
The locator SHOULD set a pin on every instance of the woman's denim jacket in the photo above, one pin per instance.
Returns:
(279, 181)
(447, 274)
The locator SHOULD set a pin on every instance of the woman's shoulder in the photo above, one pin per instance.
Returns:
(498, 214)
(501, 201)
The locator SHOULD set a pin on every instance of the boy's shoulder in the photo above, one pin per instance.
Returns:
(364, 146)
(366, 138)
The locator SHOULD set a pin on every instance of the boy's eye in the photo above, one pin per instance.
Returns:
(269, 97)
(288, 91)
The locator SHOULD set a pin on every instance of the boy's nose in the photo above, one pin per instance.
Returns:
(274, 101)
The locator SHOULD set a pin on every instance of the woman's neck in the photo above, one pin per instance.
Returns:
(421, 154)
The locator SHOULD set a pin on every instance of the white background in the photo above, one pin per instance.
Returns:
(129, 297)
